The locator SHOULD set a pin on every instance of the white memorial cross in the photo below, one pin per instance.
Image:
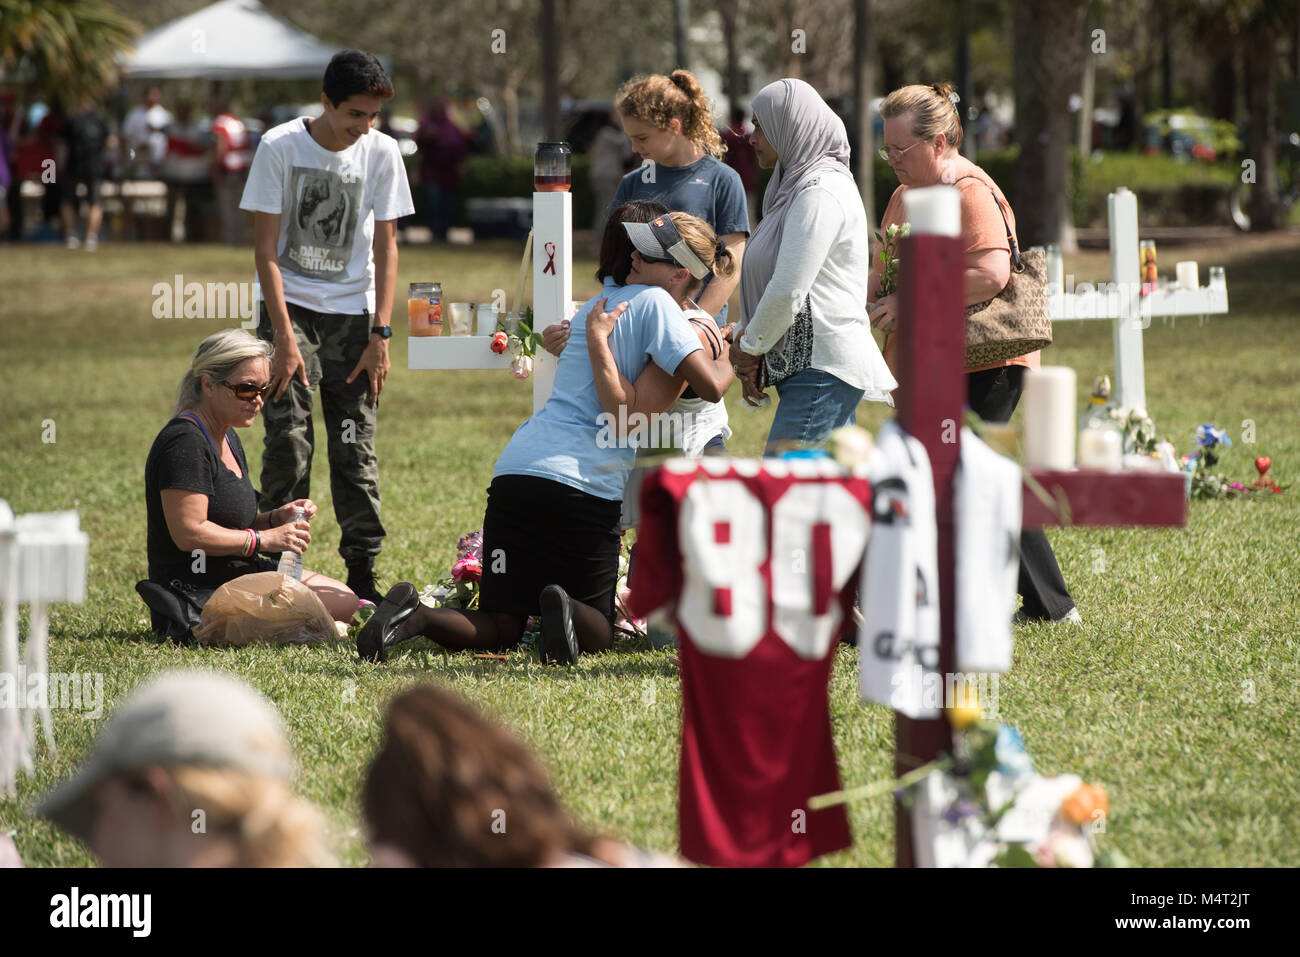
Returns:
(42, 559)
(1123, 303)
(552, 303)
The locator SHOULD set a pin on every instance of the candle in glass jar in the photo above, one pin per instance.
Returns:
(1100, 448)
(1049, 426)
(551, 168)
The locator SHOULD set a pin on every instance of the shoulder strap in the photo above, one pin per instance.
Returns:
(1011, 240)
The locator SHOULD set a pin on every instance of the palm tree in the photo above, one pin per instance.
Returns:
(64, 47)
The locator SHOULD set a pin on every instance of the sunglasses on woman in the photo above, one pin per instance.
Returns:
(247, 390)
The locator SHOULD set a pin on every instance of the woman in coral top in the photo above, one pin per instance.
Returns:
(922, 138)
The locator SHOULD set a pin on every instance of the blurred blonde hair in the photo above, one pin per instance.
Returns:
(932, 108)
(269, 824)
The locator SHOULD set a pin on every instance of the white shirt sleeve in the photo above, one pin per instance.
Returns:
(392, 192)
(811, 226)
(264, 191)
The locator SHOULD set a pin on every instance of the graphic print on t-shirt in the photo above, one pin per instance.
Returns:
(323, 214)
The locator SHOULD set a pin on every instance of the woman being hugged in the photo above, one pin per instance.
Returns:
(204, 528)
(922, 138)
(669, 122)
(804, 282)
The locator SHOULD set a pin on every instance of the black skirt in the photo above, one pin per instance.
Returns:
(537, 532)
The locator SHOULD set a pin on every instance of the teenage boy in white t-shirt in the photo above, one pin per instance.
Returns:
(326, 195)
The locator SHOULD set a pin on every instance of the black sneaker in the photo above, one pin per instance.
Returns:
(361, 579)
(377, 635)
(559, 642)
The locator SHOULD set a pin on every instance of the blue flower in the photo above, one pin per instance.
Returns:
(1208, 436)
(1013, 760)
(960, 809)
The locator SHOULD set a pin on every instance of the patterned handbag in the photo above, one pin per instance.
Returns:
(1016, 321)
(792, 353)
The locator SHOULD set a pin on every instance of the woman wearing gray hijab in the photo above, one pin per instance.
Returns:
(803, 285)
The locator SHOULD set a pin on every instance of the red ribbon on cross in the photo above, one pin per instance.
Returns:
(550, 265)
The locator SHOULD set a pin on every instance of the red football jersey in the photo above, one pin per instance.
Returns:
(762, 562)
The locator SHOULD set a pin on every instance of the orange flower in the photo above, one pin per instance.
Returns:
(1080, 806)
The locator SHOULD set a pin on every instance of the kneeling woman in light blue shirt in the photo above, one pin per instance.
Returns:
(551, 529)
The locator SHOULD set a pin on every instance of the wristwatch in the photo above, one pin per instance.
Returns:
(384, 332)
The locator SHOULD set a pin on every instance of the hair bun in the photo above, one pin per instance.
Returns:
(685, 81)
(947, 92)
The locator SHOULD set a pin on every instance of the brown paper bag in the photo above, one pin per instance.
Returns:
(265, 606)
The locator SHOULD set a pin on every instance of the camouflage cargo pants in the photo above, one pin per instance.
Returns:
(331, 345)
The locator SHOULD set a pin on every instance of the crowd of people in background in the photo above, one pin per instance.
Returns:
(202, 157)
(201, 154)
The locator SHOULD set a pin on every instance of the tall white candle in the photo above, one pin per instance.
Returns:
(933, 211)
(1188, 275)
(1049, 417)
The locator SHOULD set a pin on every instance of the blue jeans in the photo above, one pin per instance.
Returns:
(813, 404)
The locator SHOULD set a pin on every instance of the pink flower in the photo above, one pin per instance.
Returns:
(499, 343)
(522, 367)
(467, 569)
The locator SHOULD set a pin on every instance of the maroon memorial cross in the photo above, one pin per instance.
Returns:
(931, 399)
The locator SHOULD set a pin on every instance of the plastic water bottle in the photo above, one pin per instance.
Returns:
(291, 562)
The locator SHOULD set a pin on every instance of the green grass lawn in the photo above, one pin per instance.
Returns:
(1176, 693)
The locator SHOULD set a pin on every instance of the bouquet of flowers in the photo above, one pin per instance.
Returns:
(1205, 483)
(522, 343)
(624, 624)
(982, 804)
(459, 588)
(888, 256)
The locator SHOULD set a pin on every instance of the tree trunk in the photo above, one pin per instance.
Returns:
(863, 132)
(729, 11)
(681, 23)
(962, 74)
(1261, 70)
(510, 106)
(550, 44)
(1050, 45)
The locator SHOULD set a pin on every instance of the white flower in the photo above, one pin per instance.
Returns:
(850, 445)
(522, 367)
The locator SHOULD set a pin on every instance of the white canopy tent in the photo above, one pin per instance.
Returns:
(228, 40)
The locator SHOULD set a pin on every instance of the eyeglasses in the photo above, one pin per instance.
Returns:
(892, 153)
(247, 391)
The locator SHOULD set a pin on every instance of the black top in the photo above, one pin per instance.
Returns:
(86, 134)
(183, 458)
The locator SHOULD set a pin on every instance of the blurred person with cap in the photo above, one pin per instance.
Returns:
(192, 770)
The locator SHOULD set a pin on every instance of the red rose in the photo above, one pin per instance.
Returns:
(499, 342)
